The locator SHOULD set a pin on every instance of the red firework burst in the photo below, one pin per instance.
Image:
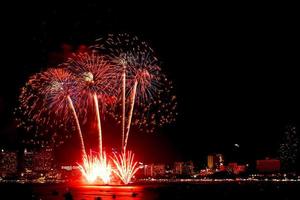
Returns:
(48, 101)
(143, 86)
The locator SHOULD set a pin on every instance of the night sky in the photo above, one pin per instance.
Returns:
(235, 69)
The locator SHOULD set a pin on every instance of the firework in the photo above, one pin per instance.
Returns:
(105, 169)
(126, 167)
(142, 80)
(121, 76)
(89, 168)
(116, 46)
(48, 99)
(96, 77)
(157, 111)
(95, 167)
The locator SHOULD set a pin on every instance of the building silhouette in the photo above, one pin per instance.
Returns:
(215, 161)
(8, 163)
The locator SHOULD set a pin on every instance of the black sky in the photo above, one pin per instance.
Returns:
(235, 67)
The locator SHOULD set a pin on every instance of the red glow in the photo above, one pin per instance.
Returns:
(96, 169)
(125, 166)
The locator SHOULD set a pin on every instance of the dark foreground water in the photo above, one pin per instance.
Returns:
(205, 191)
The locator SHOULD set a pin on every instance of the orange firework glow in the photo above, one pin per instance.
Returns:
(125, 166)
(95, 168)
(104, 169)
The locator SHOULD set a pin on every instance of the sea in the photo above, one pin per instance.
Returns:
(205, 191)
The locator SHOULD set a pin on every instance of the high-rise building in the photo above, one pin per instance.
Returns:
(154, 170)
(188, 168)
(210, 161)
(178, 168)
(159, 170)
(220, 160)
(8, 163)
(148, 170)
(28, 160)
(268, 165)
(215, 161)
(43, 160)
(38, 161)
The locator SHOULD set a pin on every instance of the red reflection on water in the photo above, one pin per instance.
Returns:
(108, 192)
(119, 187)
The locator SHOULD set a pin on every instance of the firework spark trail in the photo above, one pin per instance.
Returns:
(116, 46)
(123, 103)
(144, 76)
(104, 169)
(94, 167)
(98, 123)
(125, 166)
(89, 168)
(155, 101)
(132, 101)
(96, 77)
(78, 125)
(134, 60)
